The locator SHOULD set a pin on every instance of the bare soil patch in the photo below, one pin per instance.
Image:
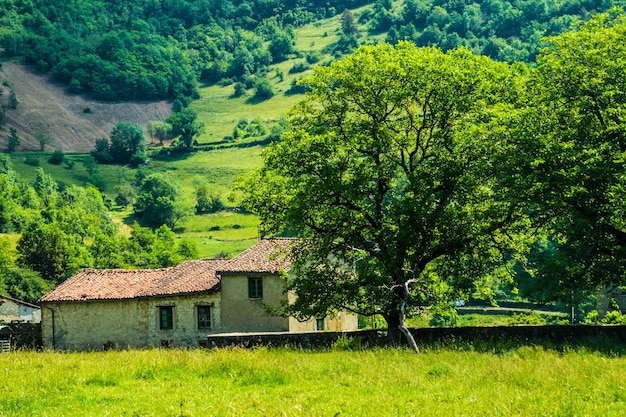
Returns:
(74, 121)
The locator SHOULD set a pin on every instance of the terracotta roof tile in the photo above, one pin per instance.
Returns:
(268, 256)
(117, 284)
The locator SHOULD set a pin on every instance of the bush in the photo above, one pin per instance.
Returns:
(313, 57)
(240, 89)
(527, 318)
(614, 317)
(138, 158)
(32, 161)
(345, 343)
(264, 89)
(299, 67)
(447, 318)
(57, 157)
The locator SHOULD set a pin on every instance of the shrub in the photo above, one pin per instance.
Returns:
(345, 343)
(32, 161)
(239, 89)
(299, 67)
(614, 317)
(446, 318)
(313, 57)
(57, 157)
(527, 318)
(264, 89)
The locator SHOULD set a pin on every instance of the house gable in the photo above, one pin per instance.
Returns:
(13, 310)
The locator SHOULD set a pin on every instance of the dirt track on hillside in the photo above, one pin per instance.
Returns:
(45, 105)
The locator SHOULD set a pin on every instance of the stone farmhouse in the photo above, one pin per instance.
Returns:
(178, 306)
(17, 311)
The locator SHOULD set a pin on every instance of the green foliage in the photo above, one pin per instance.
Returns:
(299, 67)
(611, 317)
(49, 251)
(57, 157)
(444, 318)
(185, 126)
(263, 89)
(582, 118)
(128, 144)
(504, 30)
(43, 139)
(345, 343)
(208, 200)
(13, 140)
(281, 46)
(159, 130)
(33, 161)
(526, 318)
(12, 104)
(159, 201)
(397, 165)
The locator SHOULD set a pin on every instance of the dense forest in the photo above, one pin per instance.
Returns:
(160, 48)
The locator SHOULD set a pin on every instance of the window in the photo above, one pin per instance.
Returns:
(166, 318)
(204, 317)
(255, 288)
(319, 324)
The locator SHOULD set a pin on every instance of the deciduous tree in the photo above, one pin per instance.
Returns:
(580, 107)
(399, 173)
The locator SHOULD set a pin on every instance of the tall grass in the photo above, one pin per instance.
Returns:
(523, 381)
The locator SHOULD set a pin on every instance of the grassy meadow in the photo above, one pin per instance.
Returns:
(522, 381)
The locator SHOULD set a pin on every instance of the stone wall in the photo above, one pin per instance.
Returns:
(558, 334)
(126, 323)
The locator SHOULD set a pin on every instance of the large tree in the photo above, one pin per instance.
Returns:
(399, 172)
(160, 201)
(580, 105)
(127, 143)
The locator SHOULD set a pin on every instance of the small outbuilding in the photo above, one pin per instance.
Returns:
(17, 311)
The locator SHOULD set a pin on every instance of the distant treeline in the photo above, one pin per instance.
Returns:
(505, 30)
(147, 49)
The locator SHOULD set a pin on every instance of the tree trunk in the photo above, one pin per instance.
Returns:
(404, 329)
(394, 335)
(396, 326)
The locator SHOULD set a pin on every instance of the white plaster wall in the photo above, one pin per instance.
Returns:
(241, 314)
(9, 310)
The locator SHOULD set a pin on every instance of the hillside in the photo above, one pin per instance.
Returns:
(47, 106)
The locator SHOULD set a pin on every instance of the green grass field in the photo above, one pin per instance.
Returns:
(524, 381)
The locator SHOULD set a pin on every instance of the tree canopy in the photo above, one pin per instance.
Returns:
(580, 101)
(398, 168)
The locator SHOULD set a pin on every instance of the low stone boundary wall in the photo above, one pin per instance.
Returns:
(303, 340)
(558, 334)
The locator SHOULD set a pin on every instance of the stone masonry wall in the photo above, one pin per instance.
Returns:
(126, 323)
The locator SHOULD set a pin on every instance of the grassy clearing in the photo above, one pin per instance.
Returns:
(280, 382)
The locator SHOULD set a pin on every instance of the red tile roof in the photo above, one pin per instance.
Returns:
(118, 284)
(269, 256)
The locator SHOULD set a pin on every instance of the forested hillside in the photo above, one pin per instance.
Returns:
(160, 49)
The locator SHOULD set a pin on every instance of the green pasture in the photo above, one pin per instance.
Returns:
(440, 381)
(219, 234)
(220, 111)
